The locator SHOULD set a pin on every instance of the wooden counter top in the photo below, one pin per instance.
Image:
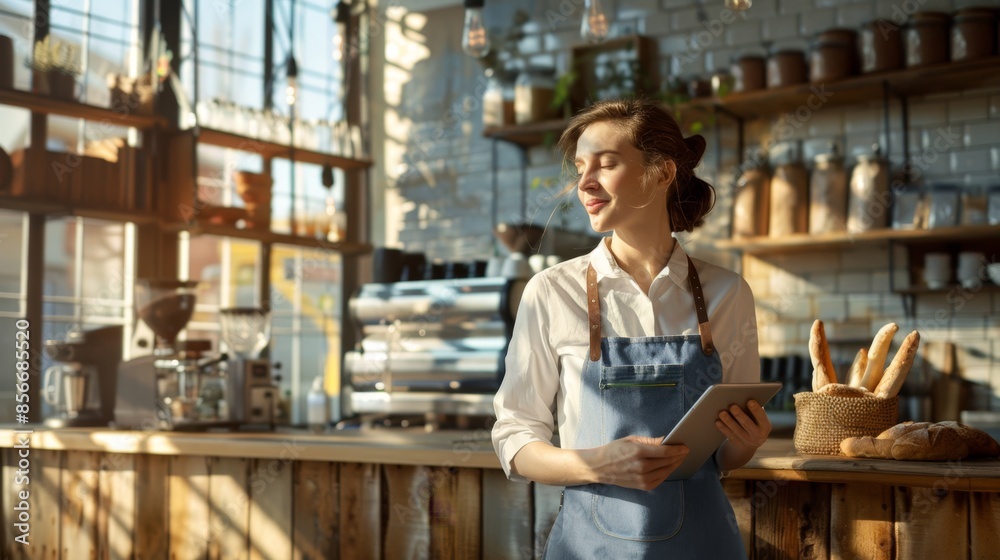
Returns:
(776, 460)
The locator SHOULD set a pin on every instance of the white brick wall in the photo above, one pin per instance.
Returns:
(848, 288)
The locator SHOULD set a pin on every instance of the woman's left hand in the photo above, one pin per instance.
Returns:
(743, 430)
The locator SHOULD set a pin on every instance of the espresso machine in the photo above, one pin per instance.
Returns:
(182, 385)
(253, 391)
(82, 387)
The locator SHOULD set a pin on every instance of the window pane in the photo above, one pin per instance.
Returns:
(228, 274)
(305, 337)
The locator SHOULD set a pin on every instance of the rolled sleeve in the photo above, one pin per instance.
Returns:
(525, 404)
(740, 353)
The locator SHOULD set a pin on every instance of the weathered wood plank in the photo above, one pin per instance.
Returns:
(9, 548)
(408, 528)
(931, 523)
(152, 507)
(546, 505)
(792, 520)
(317, 511)
(78, 524)
(360, 507)
(740, 494)
(228, 508)
(454, 513)
(984, 515)
(507, 519)
(45, 503)
(271, 509)
(188, 507)
(861, 521)
(116, 507)
(469, 535)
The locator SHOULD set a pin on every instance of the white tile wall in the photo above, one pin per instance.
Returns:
(854, 15)
(971, 161)
(743, 33)
(812, 21)
(968, 108)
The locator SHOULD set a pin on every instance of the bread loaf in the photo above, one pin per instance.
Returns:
(936, 443)
(857, 371)
(819, 352)
(867, 446)
(876, 356)
(924, 441)
(895, 375)
(841, 390)
(980, 443)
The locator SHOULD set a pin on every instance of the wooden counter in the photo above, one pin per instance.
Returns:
(409, 494)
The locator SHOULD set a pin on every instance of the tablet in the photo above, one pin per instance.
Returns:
(697, 428)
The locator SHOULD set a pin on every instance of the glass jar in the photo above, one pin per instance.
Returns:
(493, 114)
(828, 193)
(881, 46)
(869, 202)
(927, 40)
(533, 94)
(750, 206)
(786, 68)
(942, 206)
(833, 56)
(973, 34)
(906, 207)
(789, 210)
(993, 206)
(749, 73)
(973, 207)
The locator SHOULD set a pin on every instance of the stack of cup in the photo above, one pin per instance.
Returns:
(937, 270)
(970, 269)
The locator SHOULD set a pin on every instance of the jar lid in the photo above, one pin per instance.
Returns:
(838, 35)
(934, 18)
(748, 56)
(785, 153)
(944, 188)
(972, 14)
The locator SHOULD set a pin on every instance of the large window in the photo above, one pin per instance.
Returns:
(12, 227)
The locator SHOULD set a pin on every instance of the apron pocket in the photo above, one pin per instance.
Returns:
(645, 400)
(638, 515)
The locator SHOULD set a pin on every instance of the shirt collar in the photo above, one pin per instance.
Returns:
(606, 266)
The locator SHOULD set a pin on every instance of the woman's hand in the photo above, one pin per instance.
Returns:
(747, 432)
(635, 462)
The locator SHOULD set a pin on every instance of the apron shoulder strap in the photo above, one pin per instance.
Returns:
(594, 312)
(701, 308)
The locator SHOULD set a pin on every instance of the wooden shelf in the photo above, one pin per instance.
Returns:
(527, 135)
(810, 242)
(275, 150)
(74, 109)
(920, 290)
(939, 78)
(34, 206)
(265, 236)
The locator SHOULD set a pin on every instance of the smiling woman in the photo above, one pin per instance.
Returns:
(612, 399)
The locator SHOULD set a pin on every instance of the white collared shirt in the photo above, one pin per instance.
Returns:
(550, 342)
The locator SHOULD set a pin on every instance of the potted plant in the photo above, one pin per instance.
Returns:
(55, 65)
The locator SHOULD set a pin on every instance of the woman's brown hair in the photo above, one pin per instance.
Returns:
(654, 132)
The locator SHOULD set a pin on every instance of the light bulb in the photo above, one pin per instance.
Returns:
(292, 87)
(341, 16)
(475, 40)
(594, 27)
(739, 5)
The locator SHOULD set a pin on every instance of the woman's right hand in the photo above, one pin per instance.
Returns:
(638, 462)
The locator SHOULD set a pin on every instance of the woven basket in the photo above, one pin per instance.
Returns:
(823, 421)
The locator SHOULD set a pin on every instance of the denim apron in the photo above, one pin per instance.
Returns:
(643, 386)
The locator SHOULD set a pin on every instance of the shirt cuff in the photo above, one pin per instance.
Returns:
(510, 447)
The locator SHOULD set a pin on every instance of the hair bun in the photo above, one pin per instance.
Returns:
(696, 144)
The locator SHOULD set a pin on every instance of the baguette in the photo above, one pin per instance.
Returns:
(895, 375)
(877, 355)
(867, 446)
(857, 371)
(819, 353)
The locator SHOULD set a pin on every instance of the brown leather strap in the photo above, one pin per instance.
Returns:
(701, 308)
(593, 313)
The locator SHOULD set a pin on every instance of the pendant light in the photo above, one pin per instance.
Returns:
(475, 40)
(341, 17)
(292, 87)
(595, 24)
(738, 5)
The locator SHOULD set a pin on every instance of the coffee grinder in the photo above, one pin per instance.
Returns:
(254, 393)
(82, 387)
